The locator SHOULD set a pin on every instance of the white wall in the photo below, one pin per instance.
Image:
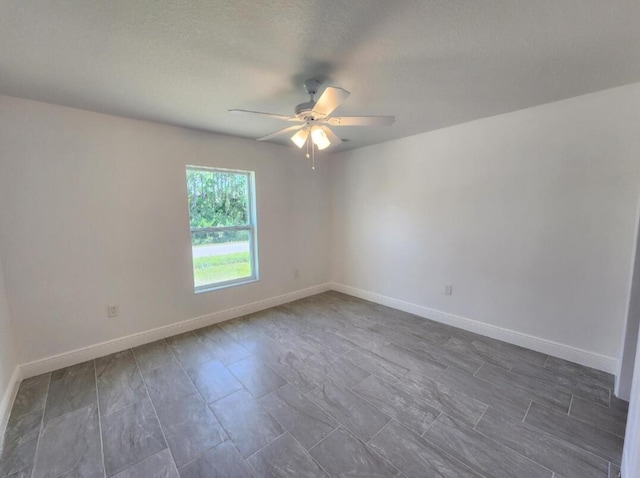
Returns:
(93, 211)
(624, 375)
(631, 453)
(530, 215)
(8, 358)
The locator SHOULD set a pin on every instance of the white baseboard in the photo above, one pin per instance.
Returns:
(567, 352)
(549, 347)
(91, 352)
(7, 401)
(621, 390)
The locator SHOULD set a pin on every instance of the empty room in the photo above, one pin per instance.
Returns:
(303, 238)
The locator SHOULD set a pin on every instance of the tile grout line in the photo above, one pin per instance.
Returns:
(455, 459)
(361, 398)
(297, 389)
(582, 420)
(212, 412)
(446, 453)
(263, 446)
(179, 363)
(321, 439)
(95, 375)
(478, 369)
(363, 349)
(610, 471)
(527, 412)
(474, 373)
(392, 418)
(378, 432)
(561, 388)
(44, 409)
(310, 392)
(482, 416)
(517, 452)
(310, 396)
(548, 433)
(441, 373)
(384, 460)
(198, 457)
(332, 432)
(593, 425)
(351, 388)
(155, 412)
(286, 382)
(570, 405)
(430, 425)
(296, 440)
(263, 363)
(546, 360)
(205, 342)
(609, 467)
(387, 414)
(251, 354)
(413, 397)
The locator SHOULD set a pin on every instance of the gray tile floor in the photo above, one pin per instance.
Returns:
(328, 385)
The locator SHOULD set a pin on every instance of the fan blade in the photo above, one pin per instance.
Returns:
(270, 115)
(332, 136)
(282, 131)
(331, 98)
(361, 120)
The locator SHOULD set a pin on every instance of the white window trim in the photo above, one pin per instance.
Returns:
(251, 227)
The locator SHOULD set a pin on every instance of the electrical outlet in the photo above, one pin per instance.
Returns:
(296, 273)
(113, 310)
(448, 289)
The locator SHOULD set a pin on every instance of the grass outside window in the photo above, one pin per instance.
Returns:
(222, 224)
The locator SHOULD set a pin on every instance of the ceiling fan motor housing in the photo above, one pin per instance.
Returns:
(303, 108)
(314, 118)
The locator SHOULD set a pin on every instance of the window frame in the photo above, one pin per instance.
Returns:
(251, 227)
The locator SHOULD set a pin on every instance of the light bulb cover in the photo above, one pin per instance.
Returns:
(320, 138)
(300, 138)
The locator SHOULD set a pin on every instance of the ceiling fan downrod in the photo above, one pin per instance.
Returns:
(314, 119)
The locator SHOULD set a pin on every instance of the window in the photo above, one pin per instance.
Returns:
(223, 227)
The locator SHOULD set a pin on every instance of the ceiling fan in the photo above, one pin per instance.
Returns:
(313, 119)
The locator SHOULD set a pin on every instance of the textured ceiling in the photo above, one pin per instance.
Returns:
(429, 63)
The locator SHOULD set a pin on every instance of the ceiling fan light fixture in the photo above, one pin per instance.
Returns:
(320, 138)
(313, 120)
(300, 138)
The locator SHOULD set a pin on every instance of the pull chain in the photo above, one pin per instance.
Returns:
(313, 152)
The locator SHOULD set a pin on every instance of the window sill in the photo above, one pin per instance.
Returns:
(224, 285)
